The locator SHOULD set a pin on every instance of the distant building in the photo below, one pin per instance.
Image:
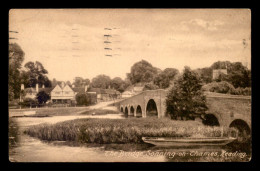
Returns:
(132, 90)
(127, 94)
(217, 72)
(32, 92)
(105, 94)
(62, 94)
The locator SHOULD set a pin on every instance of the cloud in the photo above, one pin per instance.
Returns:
(202, 24)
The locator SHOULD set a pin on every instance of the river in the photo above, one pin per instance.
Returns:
(29, 149)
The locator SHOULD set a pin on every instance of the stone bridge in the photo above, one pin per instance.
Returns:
(224, 110)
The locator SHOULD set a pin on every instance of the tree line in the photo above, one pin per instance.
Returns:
(185, 96)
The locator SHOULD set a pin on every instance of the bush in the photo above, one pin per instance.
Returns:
(219, 87)
(242, 91)
(42, 97)
(81, 99)
(29, 102)
(226, 88)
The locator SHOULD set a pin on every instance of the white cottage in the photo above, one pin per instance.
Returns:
(62, 94)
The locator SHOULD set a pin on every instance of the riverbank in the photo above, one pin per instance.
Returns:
(130, 130)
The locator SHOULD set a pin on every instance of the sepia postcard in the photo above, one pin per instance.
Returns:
(129, 85)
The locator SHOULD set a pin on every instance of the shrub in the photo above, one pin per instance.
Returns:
(42, 97)
(29, 102)
(219, 87)
(242, 91)
(81, 99)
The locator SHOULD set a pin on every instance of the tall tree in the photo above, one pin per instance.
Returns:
(116, 83)
(16, 57)
(142, 71)
(186, 99)
(166, 77)
(81, 82)
(101, 81)
(37, 74)
(205, 74)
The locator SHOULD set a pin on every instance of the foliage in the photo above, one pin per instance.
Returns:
(219, 87)
(42, 97)
(205, 74)
(91, 99)
(81, 99)
(226, 88)
(221, 65)
(238, 75)
(242, 91)
(81, 82)
(150, 86)
(186, 99)
(29, 102)
(16, 57)
(36, 73)
(142, 71)
(118, 84)
(121, 130)
(101, 81)
(166, 77)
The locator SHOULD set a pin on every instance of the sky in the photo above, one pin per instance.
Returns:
(70, 42)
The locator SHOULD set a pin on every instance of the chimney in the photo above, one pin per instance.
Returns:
(22, 86)
(37, 88)
(86, 88)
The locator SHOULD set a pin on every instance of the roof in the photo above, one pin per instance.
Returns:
(30, 90)
(33, 90)
(46, 90)
(127, 92)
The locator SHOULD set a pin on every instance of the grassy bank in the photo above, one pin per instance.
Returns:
(99, 112)
(131, 130)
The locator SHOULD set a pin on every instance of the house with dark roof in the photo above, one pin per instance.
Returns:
(61, 93)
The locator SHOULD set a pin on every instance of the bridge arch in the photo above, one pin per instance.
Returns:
(244, 131)
(132, 110)
(126, 111)
(151, 108)
(138, 111)
(122, 109)
(211, 120)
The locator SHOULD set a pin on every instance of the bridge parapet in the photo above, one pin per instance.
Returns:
(226, 108)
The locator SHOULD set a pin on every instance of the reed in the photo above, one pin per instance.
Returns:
(104, 131)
